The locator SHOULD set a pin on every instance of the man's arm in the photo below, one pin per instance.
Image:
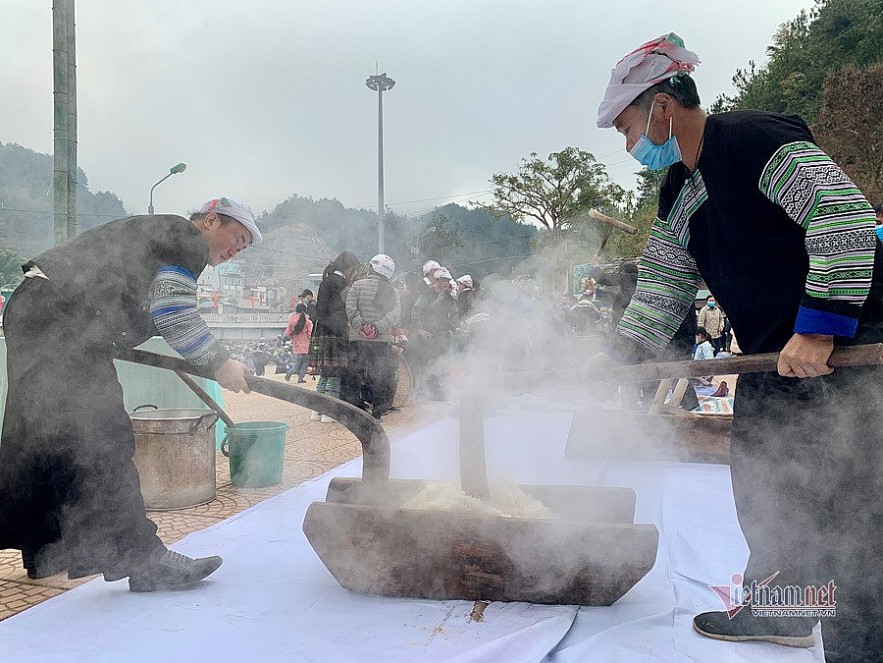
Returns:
(668, 281)
(840, 240)
(839, 223)
(172, 301)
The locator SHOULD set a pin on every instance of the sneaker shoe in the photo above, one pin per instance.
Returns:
(288, 377)
(791, 632)
(301, 381)
(173, 571)
(326, 419)
(315, 416)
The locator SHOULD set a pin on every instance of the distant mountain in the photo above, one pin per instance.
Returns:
(302, 234)
(26, 201)
(286, 256)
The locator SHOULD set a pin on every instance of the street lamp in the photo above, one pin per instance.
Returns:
(174, 170)
(380, 83)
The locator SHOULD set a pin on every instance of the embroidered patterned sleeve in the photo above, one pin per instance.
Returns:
(172, 302)
(839, 222)
(668, 281)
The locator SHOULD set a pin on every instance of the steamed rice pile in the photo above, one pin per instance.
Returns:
(507, 501)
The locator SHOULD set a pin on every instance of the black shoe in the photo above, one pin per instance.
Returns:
(301, 381)
(791, 632)
(288, 377)
(50, 560)
(173, 571)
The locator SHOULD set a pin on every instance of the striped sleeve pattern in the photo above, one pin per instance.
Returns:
(840, 239)
(668, 280)
(173, 309)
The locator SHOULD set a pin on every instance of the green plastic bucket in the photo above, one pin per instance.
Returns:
(256, 450)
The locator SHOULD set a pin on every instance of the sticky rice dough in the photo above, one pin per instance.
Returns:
(506, 502)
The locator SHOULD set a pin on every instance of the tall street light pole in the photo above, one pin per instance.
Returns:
(174, 170)
(64, 76)
(380, 83)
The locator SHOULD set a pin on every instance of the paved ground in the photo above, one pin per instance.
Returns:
(311, 449)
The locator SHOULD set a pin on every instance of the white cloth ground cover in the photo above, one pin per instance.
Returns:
(273, 600)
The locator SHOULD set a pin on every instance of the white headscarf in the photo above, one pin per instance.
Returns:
(644, 67)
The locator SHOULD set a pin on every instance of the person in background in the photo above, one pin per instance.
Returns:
(260, 357)
(433, 318)
(373, 310)
(408, 286)
(704, 350)
(467, 287)
(248, 360)
(70, 496)
(299, 330)
(430, 267)
(309, 301)
(749, 202)
(329, 347)
(711, 318)
(878, 212)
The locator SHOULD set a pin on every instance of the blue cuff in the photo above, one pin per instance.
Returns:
(814, 321)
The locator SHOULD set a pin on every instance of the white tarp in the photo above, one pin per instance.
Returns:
(273, 600)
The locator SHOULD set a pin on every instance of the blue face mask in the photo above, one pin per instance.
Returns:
(879, 231)
(656, 157)
(710, 304)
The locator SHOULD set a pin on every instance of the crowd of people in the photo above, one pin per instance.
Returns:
(351, 333)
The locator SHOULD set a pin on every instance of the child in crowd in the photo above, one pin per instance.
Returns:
(704, 349)
(299, 330)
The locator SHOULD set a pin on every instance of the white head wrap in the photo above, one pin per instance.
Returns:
(647, 65)
(235, 210)
(466, 280)
(429, 269)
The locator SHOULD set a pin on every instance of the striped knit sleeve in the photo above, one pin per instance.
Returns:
(839, 223)
(668, 280)
(173, 309)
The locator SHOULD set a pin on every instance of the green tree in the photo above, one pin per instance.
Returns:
(439, 239)
(851, 131)
(10, 266)
(649, 185)
(835, 33)
(556, 192)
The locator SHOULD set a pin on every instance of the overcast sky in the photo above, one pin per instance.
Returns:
(266, 98)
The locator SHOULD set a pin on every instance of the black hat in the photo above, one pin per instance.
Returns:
(307, 292)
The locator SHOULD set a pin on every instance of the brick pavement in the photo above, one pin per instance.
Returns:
(311, 449)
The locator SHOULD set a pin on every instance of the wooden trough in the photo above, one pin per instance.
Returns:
(592, 555)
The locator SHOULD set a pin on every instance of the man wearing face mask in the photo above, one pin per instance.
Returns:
(712, 319)
(786, 242)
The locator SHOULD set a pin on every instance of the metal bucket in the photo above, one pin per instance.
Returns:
(175, 457)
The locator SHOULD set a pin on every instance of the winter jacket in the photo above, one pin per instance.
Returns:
(713, 321)
(703, 351)
(435, 313)
(361, 310)
(300, 343)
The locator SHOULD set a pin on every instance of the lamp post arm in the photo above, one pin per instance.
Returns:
(150, 204)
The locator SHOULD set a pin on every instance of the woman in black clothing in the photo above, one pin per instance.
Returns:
(329, 348)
